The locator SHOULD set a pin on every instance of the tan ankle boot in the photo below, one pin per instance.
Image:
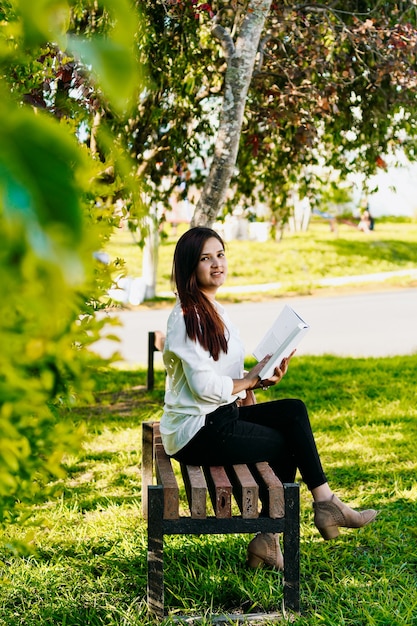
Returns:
(330, 514)
(264, 549)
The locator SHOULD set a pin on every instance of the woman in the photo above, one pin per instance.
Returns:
(207, 420)
(366, 223)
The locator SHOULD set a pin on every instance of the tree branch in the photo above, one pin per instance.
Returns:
(226, 41)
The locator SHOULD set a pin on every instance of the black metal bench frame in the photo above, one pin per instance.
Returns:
(154, 498)
(156, 340)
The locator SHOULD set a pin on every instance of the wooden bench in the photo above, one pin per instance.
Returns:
(252, 487)
(156, 341)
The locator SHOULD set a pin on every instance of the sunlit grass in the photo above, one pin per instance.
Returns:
(299, 261)
(80, 559)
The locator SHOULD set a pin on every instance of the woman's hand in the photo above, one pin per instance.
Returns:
(253, 375)
(279, 372)
(251, 380)
(248, 400)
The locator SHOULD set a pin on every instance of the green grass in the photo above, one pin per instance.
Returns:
(82, 557)
(79, 559)
(300, 260)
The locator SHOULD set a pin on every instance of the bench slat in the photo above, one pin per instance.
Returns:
(245, 490)
(196, 489)
(220, 490)
(166, 477)
(147, 462)
(245, 484)
(271, 490)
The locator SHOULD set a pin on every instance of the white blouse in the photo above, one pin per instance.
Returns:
(196, 384)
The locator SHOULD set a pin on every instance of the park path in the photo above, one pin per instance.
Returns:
(366, 324)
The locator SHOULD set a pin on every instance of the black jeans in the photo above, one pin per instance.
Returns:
(278, 432)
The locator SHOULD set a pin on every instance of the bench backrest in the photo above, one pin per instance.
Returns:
(156, 342)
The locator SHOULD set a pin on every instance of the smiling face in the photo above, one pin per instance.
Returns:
(211, 270)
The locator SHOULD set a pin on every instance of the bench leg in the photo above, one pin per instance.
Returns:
(151, 350)
(292, 548)
(155, 590)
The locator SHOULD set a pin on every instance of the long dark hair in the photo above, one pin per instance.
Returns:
(202, 321)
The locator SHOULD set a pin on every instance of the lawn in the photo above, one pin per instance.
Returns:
(80, 557)
(299, 261)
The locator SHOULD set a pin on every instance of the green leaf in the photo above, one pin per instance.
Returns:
(44, 20)
(38, 166)
(113, 66)
(113, 59)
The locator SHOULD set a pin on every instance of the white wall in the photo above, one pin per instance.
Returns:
(397, 191)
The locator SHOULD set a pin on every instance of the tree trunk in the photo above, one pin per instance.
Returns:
(300, 214)
(150, 258)
(240, 59)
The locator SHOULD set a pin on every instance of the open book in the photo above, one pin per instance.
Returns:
(280, 340)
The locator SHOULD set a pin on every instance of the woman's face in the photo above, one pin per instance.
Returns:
(211, 270)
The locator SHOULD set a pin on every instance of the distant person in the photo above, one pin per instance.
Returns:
(208, 418)
(366, 223)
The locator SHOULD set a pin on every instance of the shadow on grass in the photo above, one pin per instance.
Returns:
(211, 572)
(389, 250)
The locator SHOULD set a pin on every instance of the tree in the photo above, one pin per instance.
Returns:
(333, 88)
(334, 85)
(240, 61)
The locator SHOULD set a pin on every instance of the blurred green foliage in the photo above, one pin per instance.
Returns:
(51, 282)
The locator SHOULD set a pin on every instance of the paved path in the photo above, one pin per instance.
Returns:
(366, 324)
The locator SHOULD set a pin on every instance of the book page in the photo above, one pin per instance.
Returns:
(281, 339)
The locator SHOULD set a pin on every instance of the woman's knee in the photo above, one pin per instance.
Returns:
(295, 407)
(300, 407)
